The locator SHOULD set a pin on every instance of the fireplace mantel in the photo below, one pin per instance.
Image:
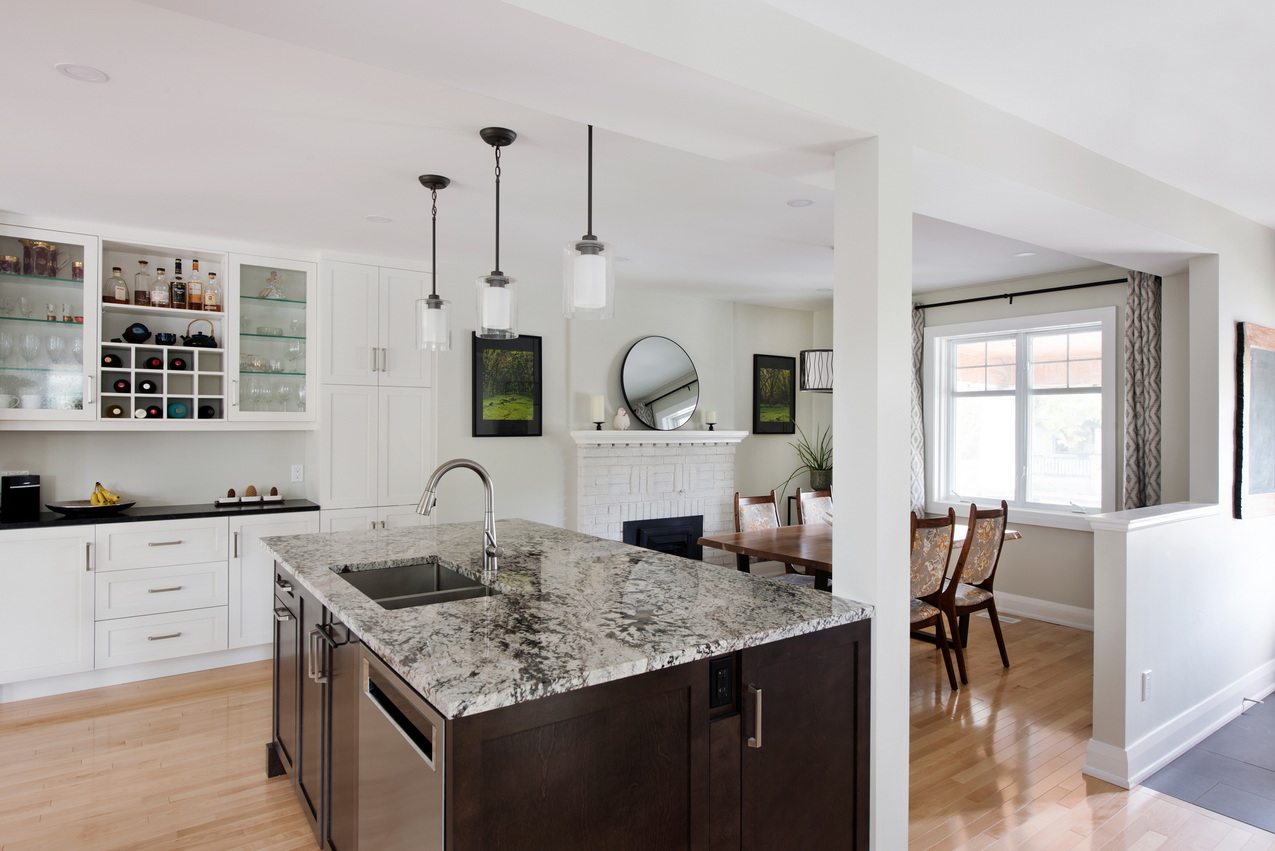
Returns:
(676, 437)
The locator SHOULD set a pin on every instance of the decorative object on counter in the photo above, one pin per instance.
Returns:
(621, 421)
(660, 383)
(597, 409)
(507, 387)
(114, 289)
(19, 497)
(774, 394)
(199, 339)
(497, 292)
(136, 333)
(273, 287)
(273, 496)
(82, 507)
(143, 283)
(816, 459)
(710, 419)
(212, 294)
(816, 371)
(166, 339)
(588, 268)
(101, 496)
(433, 325)
(229, 499)
(159, 289)
(250, 494)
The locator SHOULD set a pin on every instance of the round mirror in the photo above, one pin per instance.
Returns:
(660, 383)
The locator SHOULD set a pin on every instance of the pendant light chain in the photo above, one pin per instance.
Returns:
(497, 270)
(433, 242)
(588, 234)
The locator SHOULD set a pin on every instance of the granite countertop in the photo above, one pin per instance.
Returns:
(576, 610)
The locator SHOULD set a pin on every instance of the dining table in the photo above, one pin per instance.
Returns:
(808, 546)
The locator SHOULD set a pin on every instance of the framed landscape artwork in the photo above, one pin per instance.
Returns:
(1255, 421)
(507, 387)
(774, 394)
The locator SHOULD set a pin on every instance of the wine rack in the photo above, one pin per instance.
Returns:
(194, 393)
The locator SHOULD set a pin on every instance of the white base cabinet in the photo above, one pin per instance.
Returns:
(46, 602)
(365, 519)
(252, 573)
(148, 638)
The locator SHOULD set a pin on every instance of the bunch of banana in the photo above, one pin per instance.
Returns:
(101, 496)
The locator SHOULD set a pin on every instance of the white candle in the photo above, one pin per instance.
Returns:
(597, 409)
(710, 418)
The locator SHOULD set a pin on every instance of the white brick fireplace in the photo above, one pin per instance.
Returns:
(645, 475)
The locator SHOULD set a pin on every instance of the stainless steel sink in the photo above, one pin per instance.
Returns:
(418, 584)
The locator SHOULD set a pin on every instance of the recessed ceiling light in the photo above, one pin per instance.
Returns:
(1025, 254)
(380, 220)
(621, 260)
(83, 73)
(800, 202)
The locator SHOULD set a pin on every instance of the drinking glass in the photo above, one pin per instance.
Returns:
(6, 305)
(295, 349)
(301, 396)
(6, 347)
(29, 347)
(56, 348)
(298, 327)
(254, 393)
(24, 306)
(266, 393)
(77, 349)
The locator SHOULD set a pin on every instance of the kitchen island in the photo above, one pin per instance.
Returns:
(608, 696)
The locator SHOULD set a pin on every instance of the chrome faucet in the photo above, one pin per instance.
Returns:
(491, 550)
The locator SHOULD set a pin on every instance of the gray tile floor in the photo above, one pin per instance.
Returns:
(1232, 772)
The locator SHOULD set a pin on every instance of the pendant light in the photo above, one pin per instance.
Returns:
(497, 294)
(588, 269)
(433, 330)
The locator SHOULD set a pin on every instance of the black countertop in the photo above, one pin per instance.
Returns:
(50, 519)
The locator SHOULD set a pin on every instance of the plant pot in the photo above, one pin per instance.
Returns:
(820, 480)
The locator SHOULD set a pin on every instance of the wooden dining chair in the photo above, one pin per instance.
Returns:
(762, 512)
(969, 589)
(814, 506)
(931, 552)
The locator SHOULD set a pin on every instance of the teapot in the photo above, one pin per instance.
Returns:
(200, 339)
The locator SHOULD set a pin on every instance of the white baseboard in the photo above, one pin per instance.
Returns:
(1127, 767)
(132, 673)
(1044, 610)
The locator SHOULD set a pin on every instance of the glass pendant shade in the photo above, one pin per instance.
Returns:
(497, 307)
(433, 324)
(589, 274)
(816, 371)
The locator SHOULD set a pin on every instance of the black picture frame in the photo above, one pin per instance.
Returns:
(774, 394)
(506, 383)
(1254, 421)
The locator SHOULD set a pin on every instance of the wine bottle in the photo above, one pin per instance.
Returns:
(114, 411)
(194, 288)
(121, 385)
(212, 293)
(154, 412)
(207, 412)
(153, 362)
(177, 287)
(112, 360)
(178, 363)
(177, 410)
(147, 386)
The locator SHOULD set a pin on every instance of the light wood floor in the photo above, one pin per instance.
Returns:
(179, 763)
(998, 763)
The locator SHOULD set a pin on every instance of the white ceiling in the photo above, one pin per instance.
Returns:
(289, 121)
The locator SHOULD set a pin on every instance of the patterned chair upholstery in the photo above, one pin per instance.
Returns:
(931, 552)
(753, 513)
(814, 506)
(970, 587)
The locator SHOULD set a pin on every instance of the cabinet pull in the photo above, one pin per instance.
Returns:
(374, 358)
(88, 557)
(385, 360)
(283, 584)
(90, 389)
(162, 543)
(754, 741)
(162, 637)
(163, 590)
(282, 615)
(314, 664)
(236, 555)
(234, 394)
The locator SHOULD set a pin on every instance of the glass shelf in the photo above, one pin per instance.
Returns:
(271, 336)
(297, 305)
(246, 372)
(41, 279)
(43, 370)
(41, 321)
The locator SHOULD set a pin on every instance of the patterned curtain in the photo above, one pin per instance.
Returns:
(918, 420)
(1142, 391)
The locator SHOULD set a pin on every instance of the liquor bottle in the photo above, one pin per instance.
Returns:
(114, 411)
(142, 284)
(112, 360)
(177, 363)
(115, 290)
(212, 293)
(159, 291)
(121, 385)
(194, 288)
(147, 386)
(153, 362)
(177, 287)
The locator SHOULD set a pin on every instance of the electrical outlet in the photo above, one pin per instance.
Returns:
(298, 473)
(1146, 685)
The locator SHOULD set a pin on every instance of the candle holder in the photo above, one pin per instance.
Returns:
(710, 426)
(598, 425)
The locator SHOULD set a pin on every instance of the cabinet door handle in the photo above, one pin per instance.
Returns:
(283, 584)
(315, 663)
(754, 741)
(88, 557)
(234, 394)
(162, 543)
(162, 637)
(282, 615)
(90, 388)
(374, 358)
(385, 360)
(236, 555)
(163, 590)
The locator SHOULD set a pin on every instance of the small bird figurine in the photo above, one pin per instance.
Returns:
(621, 421)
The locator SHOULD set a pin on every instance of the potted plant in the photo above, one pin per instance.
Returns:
(816, 459)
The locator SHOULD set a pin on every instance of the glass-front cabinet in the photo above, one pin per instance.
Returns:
(273, 365)
(48, 324)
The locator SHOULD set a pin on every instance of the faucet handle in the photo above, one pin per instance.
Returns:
(494, 551)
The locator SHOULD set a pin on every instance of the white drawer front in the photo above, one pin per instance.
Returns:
(146, 638)
(153, 590)
(125, 546)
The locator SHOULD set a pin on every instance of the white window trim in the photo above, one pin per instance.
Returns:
(934, 364)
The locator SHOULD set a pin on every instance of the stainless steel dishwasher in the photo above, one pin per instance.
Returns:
(401, 748)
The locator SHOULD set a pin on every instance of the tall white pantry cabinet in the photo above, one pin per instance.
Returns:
(376, 431)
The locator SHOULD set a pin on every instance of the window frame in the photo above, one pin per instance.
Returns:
(937, 408)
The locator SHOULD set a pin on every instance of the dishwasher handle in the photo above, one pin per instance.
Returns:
(420, 733)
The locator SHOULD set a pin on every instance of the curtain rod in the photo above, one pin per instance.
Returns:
(1012, 296)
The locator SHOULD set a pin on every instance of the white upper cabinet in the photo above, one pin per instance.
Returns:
(370, 326)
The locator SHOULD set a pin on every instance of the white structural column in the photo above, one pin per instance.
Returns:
(872, 351)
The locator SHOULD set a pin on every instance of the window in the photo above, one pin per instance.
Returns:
(1023, 410)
